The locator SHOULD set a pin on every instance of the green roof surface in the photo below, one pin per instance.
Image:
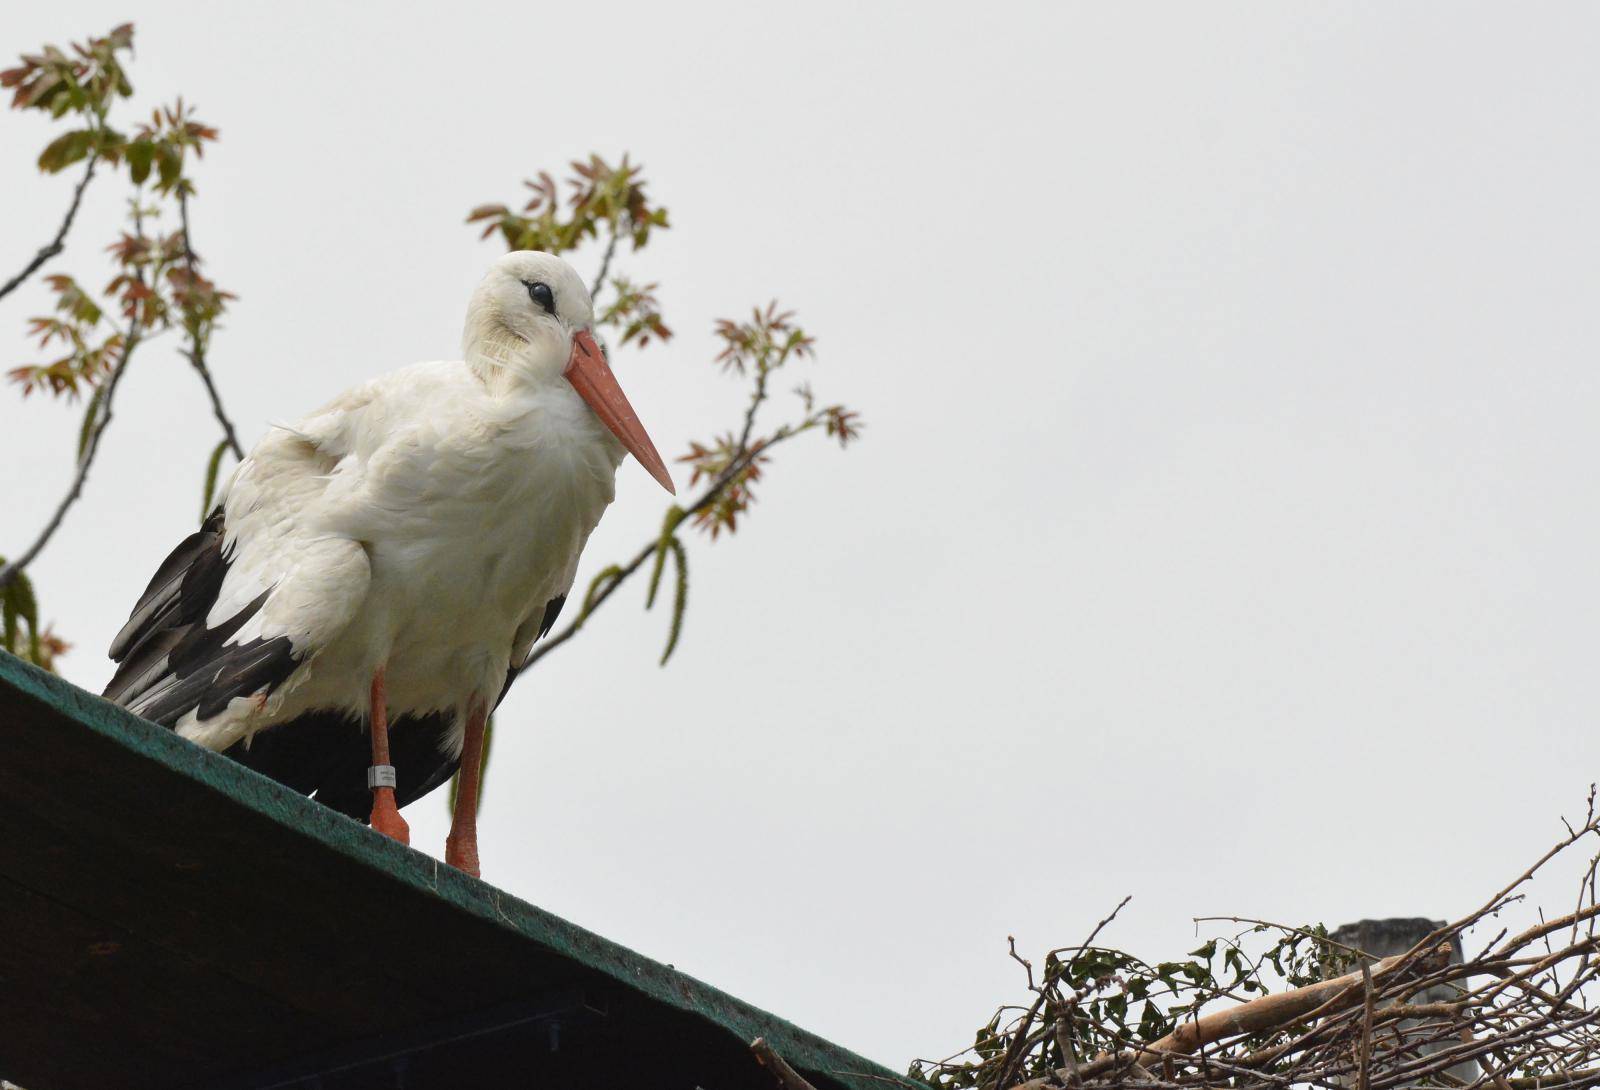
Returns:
(169, 918)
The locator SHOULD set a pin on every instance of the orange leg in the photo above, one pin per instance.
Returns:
(385, 814)
(461, 846)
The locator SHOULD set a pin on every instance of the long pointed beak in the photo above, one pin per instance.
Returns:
(591, 376)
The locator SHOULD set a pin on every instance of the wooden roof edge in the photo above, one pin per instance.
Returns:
(362, 847)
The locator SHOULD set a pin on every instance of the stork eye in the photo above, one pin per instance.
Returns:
(540, 293)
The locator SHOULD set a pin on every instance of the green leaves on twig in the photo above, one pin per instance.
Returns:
(669, 545)
(734, 462)
(90, 345)
(83, 79)
(161, 144)
(91, 421)
(609, 203)
(72, 147)
(764, 343)
(213, 468)
(19, 605)
(155, 285)
(601, 196)
(604, 200)
(600, 584)
(735, 469)
(19, 609)
(680, 597)
(669, 526)
(635, 311)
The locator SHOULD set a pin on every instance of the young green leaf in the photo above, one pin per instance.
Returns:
(213, 465)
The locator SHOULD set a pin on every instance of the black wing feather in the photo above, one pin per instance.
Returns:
(169, 663)
(552, 610)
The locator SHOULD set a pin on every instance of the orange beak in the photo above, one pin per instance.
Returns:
(591, 376)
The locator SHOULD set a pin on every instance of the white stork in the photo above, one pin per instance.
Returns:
(389, 561)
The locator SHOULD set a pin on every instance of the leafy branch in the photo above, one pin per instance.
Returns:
(611, 202)
(730, 466)
(140, 262)
(97, 421)
(18, 607)
(83, 81)
(157, 285)
(601, 197)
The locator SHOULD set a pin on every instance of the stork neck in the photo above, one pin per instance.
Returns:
(501, 359)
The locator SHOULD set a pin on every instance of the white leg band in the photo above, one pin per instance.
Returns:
(381, 776)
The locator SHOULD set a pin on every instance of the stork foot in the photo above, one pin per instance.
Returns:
(386, 817)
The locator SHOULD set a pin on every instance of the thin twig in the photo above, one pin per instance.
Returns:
(1019, 1037)
(743, 456)
(787, 1077)
(1103, 924)
(1364, 1081)
(605, 265)
(706, 498)
(1554, 1079)
(1483, 1062)
(197, 349)
(1020, 1040)
(58, 243)
(756, 399)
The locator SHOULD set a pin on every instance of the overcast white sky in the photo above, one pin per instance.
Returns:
(1224, 532)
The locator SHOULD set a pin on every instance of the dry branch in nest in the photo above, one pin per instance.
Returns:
(1278, 1007)
(785, 1076)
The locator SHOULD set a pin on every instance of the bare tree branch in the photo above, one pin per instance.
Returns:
(197, 349)
(787, 1077)
(756, 399)
(56, 244)
(605, 266)
(1368, 1010)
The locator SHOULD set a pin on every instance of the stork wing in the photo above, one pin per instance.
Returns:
(243, 603)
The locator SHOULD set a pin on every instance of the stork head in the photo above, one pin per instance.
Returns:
(532, 316)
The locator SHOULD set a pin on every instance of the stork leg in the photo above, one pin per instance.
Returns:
(461, 846)
(385, 814)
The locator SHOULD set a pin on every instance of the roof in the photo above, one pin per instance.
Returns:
(172, 919)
